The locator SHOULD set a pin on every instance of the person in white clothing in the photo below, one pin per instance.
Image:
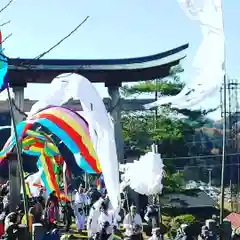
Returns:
(156, 234)
(106, 216)
(132, 224)
(87, 202)
(79, 197)
(92, 222)
(78, 207)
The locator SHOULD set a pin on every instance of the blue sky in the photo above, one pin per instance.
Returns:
(115, 29)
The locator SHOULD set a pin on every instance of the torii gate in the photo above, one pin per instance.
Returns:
(112, 72)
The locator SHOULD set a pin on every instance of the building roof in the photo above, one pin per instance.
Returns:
(234, 218)
(126, 104)
(109, 71)
(192, 198)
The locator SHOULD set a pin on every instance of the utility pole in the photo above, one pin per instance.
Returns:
(231, 195)
(155, 150)
(209, 177)
(224, 131)
(223, 147)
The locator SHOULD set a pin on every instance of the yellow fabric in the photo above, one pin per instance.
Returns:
(24, 221)
(27, 186)
(27, 190)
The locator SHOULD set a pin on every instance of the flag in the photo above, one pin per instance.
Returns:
(3, 67)
(100, 184)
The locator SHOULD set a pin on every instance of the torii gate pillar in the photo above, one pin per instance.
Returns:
(115, 111)
(14, 177)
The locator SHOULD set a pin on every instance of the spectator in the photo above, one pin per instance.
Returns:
(12, 229)
(67, 215)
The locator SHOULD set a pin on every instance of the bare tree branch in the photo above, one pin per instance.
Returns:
(3, 24)
(7, 37)
(26, 64)
(63, 39)
(6, 6)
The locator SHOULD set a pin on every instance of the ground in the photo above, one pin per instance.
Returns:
(83, 235)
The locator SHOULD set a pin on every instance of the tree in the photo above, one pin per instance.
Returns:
(164, 126)
(141, 129)
(173, 182)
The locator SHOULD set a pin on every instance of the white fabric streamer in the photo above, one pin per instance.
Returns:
(208, 62)
(150, 168)
(74, 86)
(34, 179)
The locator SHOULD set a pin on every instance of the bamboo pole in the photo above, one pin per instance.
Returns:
(19, 158)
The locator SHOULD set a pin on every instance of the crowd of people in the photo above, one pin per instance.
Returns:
(94, 214)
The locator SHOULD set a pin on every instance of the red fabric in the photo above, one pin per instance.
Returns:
(1, 229)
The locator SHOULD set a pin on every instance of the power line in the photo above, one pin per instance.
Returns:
(207, 166)
(201, 156)
(63, 39)
(6, 6)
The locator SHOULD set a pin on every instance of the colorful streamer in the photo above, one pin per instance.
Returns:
(100, 184)
(68, 126)
(3, 67)
(114, 236)
(41, 145)
(71, 129)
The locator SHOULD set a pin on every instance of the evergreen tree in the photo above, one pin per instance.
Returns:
(162, 126)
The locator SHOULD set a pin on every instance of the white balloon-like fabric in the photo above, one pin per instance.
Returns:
(74, 86)
(145, 175)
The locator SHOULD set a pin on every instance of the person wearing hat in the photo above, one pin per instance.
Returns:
(133, 224)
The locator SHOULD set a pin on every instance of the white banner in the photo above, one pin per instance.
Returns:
(209, 59)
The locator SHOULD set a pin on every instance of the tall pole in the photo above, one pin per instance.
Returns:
(19, 158)
(224, 107)
(155, 150)
(231, 195)
(209, 177)
(85, 180)
(223, 147)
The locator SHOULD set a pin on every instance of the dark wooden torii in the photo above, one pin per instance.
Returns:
(112, 72)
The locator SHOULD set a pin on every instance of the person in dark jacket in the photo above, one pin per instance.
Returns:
(105, 233)
(67, 215)
(12, 230)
